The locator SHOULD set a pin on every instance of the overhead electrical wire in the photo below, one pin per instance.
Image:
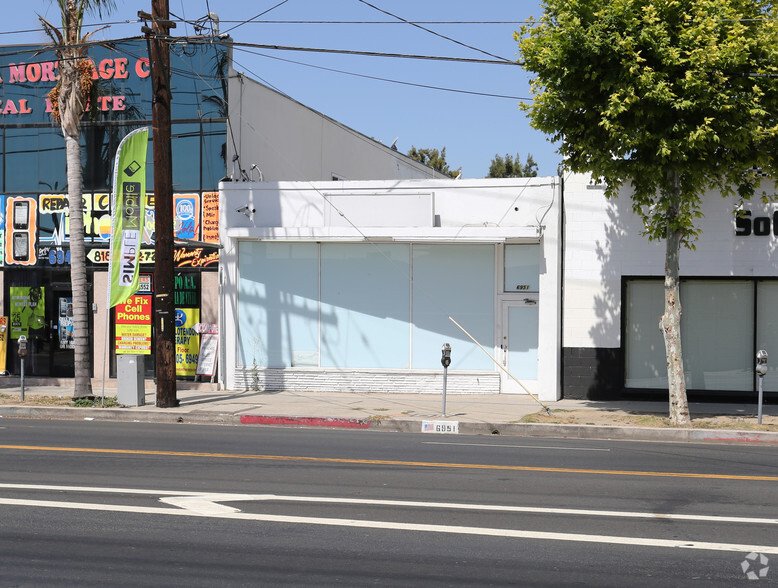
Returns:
(490, 95)
(255, 17)
(371, 53)
(433, 32)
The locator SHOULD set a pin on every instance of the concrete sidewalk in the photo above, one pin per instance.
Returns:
(472, 414)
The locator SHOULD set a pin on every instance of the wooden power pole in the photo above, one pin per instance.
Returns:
(164, 305)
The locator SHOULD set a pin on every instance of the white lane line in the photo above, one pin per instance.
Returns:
(100, 490)
(516, 446)
(387, 525)
(177, 498)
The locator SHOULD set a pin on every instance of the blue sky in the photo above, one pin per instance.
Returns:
(472, 127)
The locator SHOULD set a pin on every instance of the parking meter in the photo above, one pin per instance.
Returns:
(761, 370)
(761, 362)
(445, 359)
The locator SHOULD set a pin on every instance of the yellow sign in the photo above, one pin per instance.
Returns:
(187, 341)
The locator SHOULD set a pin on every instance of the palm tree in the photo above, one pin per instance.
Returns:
(69, 100)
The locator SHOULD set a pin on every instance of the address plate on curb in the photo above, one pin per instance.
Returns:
(440, 427)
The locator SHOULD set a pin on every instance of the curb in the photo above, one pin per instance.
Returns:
(540, 430)
(120, 415)
(248, 419)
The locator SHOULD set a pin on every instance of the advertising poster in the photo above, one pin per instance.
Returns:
(211, 217)
(186, 216)
(187, 341)
(133, 326)
(28, 310)
(209, 346)
(2, 229)
(21, 230)
(65, 327)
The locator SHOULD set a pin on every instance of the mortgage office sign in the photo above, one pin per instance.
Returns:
(28, 74)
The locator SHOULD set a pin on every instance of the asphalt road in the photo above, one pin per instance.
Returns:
(96, 503)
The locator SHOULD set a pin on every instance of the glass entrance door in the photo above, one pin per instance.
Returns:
(61, 341)
(518, 344)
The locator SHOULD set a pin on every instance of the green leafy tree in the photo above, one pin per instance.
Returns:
(69, 100)
(666, 98)
(434, 159)
(508, 167)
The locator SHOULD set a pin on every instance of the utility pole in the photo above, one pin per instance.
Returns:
(164, 305)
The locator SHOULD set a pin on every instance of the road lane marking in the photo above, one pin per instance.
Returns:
(421, 464)
(395, 526)
(202, 501)
(516, 446)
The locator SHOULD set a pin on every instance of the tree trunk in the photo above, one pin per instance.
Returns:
(71, 109)
(670, 324)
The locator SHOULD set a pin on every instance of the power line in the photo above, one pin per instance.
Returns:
(433, 32)
(390, 22)
(487, 94)
(257, 16)
(367, 53)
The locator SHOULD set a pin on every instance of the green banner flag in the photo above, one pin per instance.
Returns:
(127, 218)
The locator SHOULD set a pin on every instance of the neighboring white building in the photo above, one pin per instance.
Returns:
(613, 297)
(352, 285)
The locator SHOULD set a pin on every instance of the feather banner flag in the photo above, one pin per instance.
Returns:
(127, 218)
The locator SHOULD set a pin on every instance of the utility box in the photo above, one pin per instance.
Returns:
(130, 384)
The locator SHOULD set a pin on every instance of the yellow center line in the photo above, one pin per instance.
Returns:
(423, 464)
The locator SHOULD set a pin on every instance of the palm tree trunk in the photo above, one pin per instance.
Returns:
(71, 115)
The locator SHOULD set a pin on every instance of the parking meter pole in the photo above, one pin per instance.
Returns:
(445, 377)
(445, 361)
(761, 370)
(22, 353)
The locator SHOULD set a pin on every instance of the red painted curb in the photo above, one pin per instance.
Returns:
(249, 419)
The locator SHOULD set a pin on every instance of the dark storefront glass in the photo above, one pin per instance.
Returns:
(33, 163)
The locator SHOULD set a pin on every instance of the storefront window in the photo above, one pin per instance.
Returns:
(522, 268)
(645, 348)
(717, 334)
(454, 281)
(357, 305)
(278, 307)
(365, 311)
(767, 330)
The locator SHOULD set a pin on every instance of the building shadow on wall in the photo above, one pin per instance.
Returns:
(607, 371)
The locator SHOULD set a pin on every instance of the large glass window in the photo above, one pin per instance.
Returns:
(767, 330)
(348, 305)
(717, 334)
(645, 348)
(454, 281)
(278, 294)
(365, 306)
(522, 268)
(35, 160)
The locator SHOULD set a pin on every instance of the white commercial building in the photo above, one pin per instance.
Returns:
(613, 297)
(356, 285)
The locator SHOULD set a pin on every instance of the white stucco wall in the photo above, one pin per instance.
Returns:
(603, 243)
